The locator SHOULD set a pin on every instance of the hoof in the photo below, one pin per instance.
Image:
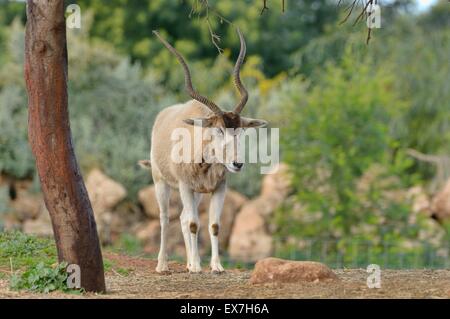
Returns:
(195, 269)
(217, 268)
(162, 269)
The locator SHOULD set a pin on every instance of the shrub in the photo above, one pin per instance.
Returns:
(42, 279)
(338, 132)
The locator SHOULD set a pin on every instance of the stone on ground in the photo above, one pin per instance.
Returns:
(440, 204)
(275, 270)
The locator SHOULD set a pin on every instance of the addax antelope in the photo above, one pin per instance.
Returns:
(205, 170)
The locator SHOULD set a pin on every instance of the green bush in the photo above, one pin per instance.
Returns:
(42, 279)
(345, 157)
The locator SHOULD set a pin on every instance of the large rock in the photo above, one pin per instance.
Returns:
(276, 270)
(147, 197)
(11, 223)
(148, 231)
(233, 203)
(440, 204)
(251, 237)
(125, 217)
(104, 192)
(277, 184)
(42, 226)
(419, 199)
(150, 234)
(25, 205)
(420, 205)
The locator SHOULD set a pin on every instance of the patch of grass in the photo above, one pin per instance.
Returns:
(30, 262)
(128, 245)
(107, 265)
(18, 250)
(33, 263)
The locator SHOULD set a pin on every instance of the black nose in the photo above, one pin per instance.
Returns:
(238, 165)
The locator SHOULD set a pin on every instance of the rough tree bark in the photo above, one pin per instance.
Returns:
(51, 142)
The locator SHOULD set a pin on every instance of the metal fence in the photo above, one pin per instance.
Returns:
(340, 254)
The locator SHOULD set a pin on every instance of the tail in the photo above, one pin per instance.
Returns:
(145, 164)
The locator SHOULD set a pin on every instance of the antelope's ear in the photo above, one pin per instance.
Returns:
(248, 122)
(203, 122)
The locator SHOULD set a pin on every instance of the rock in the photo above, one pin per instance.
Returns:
(42, 226)
(150, 234)
(147, 198)
(420, 202)
(26, 205)
(232, 205)
(235, 198)
(123, 220)
(277, 185)
(249, 239)
(104, 192)
(10, 222)
(276, 270)
(440, 204)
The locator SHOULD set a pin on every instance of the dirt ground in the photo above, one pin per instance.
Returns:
(143, 282)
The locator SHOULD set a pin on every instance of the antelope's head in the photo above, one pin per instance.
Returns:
(225, 127)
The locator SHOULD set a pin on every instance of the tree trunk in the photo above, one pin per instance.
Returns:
(50, 138)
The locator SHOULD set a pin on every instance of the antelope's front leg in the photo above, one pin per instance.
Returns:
(184, 218)
(190, 209)
(215, 210)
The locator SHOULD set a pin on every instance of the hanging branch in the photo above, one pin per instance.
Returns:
(203, 9)
(265, 7)
(350, 9)
(364, 5)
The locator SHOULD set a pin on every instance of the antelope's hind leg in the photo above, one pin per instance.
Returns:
(162, 196)
(184, 220)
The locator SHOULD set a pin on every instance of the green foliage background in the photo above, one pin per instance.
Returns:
(347, 110)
